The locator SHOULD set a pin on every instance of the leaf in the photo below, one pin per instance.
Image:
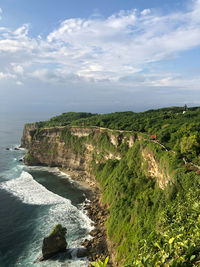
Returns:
(192, 257)
(95, 264)
(185, 246)
(157, 245)
(171, 240)
(106, 261)
(180, 235)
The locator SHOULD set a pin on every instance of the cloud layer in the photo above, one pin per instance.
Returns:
(119, 49)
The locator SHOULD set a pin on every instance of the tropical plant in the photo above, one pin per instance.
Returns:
(99, 263)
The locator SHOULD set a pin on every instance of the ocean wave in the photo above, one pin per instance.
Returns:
(30, 191)
(43, 168)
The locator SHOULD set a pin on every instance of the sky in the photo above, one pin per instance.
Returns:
(98, 56)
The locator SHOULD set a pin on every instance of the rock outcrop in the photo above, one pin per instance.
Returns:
(155, 171)
(54, 243)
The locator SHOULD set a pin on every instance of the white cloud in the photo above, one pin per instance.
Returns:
(146, 12)
(17, 68)
(22, 31)
(124, 39)
(19, 83)
(6, 76)
(114, 49)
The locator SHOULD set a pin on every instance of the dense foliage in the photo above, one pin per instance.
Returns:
(151, 226)
(176, 130)
(64, 119)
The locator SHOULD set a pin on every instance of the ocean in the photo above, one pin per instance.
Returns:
(32, 201)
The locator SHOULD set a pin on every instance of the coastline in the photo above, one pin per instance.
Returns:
(82, 178)
(98, 247)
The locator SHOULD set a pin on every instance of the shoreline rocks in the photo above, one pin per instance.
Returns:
(98, 247)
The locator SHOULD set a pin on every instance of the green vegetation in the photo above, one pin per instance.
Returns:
(75, 143)
(29, 156)
(63, 119)
(171, 126)
(59, 230)
(149, 225)
(99, 263)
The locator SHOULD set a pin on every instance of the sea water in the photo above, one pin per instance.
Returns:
(32, 201)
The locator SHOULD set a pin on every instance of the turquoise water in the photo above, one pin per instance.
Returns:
(32, 201)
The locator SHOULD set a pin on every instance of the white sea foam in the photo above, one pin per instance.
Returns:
(21, 148)
(18, 147)
(15, 148)
(44, 168)
(31, 192)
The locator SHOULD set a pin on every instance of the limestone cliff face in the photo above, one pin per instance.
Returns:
(77, 148)
(28, 133)
(155, 171)
(45, 147)
(70, 147)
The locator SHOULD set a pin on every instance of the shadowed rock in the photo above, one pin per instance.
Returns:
(82, 252)
(54, 243)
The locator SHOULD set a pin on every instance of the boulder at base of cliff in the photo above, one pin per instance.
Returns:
(82, 252)
(54, 243)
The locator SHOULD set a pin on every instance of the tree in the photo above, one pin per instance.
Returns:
(190, 145)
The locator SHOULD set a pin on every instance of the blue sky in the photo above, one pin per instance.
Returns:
(98, 56)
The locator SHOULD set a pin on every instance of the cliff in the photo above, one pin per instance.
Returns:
(73, 147)
(77, 148)
(141, 184)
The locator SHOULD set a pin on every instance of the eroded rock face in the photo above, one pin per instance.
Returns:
(54, 243)
(162, 176)
(55, 147)
(47, 147)
(28, 133)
